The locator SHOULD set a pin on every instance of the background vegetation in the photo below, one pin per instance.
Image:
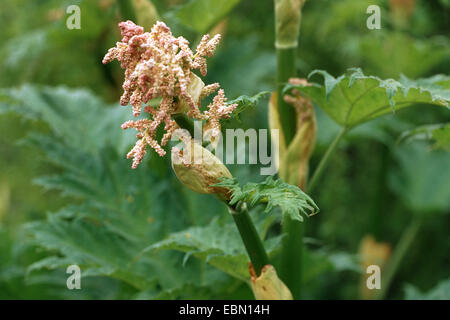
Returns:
(68, 196)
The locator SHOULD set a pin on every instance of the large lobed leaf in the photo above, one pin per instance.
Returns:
(120, 211)
(90, 245)
(354, 98)
(421, 179)
(291, 199)
(76, 116)
(218, 243)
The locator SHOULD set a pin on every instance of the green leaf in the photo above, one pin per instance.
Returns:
(420, 178)
(291, 199)
(88, 243)
(76, 116)
(218, 243)
(442, 137)
(355, 98)
(393, 53)
(322, 261)
(245, 102)
(440, 292)
(50, 263)
(120, 211)
(201, 15)
(186, 292)
(439, 133)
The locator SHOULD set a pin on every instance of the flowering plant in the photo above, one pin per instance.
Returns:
(141, 233)
(158, 65)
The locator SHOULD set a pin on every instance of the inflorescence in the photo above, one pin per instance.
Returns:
(158, 65)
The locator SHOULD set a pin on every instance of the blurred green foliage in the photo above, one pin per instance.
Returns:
(68, 196)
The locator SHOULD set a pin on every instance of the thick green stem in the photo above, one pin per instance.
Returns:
(286, 70)
(323, 162)
(290, 270)
(402, 247)
(287, 26)
(252, 242)
(291, 254)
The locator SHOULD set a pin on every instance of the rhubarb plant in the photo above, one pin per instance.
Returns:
(155, 211)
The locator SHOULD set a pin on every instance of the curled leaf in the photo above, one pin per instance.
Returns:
(294, 159)
(291, 199)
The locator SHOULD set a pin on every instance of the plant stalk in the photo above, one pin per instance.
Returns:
(252, 242)
(402, 247)
(287, 28)
(290, 269)
(323, 162)
(285, 70)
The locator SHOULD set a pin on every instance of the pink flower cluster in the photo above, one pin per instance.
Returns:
(158, 65)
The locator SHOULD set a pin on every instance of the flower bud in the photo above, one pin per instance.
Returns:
(268, 286)
(287, 22)
(197, 168)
